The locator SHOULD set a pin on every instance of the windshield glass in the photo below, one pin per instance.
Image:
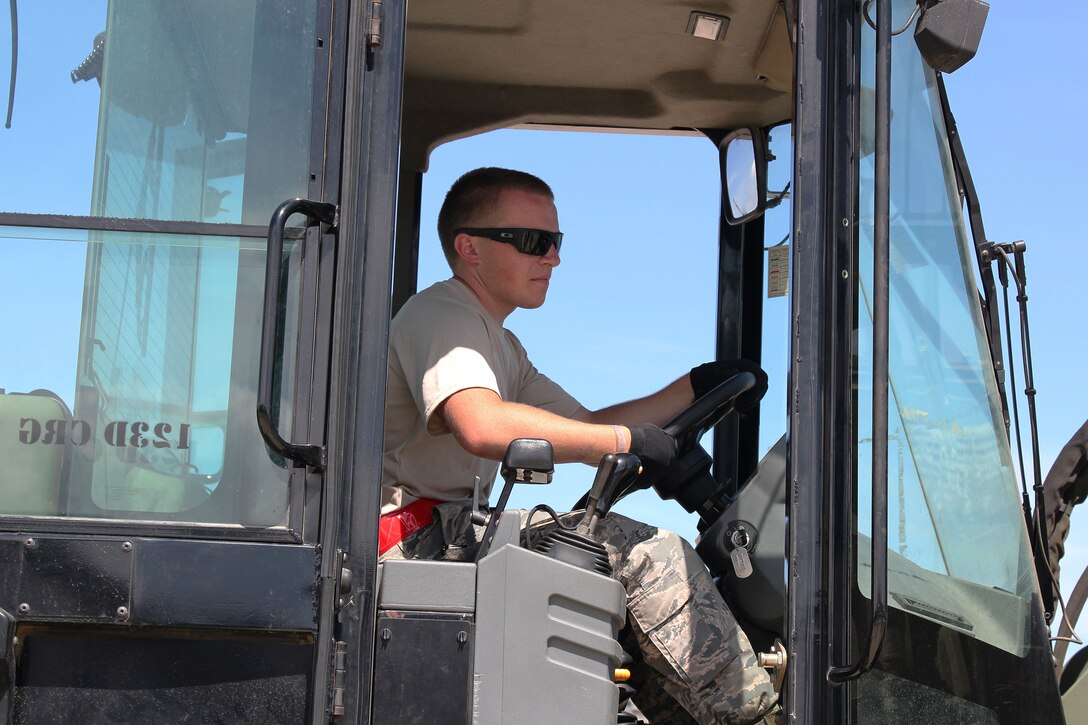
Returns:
(959, 555)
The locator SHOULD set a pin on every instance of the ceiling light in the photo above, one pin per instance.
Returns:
(705, 25)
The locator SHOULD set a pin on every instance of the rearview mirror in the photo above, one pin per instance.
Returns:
(744, 175)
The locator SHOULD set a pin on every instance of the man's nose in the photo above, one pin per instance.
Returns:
(552, 257)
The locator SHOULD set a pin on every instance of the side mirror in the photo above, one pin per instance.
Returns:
(744, 175)
(949, 32)
(528, 460)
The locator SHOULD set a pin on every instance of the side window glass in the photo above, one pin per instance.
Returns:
(130, 390)
(169, 111)
(133, 395)
(956, 554)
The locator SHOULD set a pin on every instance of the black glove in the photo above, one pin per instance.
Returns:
(708, 376)
(655, 448)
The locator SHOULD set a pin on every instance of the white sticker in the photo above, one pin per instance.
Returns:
(778, 270)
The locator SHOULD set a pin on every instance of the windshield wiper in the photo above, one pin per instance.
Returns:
(991, 318)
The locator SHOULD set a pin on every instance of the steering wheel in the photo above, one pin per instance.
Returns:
(692, 423)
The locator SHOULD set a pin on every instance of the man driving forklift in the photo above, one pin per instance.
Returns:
(461, 387)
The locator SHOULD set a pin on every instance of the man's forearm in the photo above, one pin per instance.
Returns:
(484, 425)
(658, 408)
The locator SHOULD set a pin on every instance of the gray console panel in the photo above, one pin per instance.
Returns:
(545, 641)
(418, 585)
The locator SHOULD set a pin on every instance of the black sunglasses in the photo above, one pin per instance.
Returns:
(527, 241)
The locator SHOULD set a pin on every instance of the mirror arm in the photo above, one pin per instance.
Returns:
(774, 198)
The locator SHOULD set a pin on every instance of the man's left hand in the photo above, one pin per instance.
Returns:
(708, 376)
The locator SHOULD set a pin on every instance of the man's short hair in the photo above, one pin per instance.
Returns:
(474, 195)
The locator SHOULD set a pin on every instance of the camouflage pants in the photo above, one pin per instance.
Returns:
(696, 655)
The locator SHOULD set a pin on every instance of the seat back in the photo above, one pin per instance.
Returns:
(33, 445)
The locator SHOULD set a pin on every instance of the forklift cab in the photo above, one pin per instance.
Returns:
(210, 213)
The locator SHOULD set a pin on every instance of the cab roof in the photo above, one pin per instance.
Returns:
(477, 65)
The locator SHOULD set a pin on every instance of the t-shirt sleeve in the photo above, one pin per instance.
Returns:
(442, 357)
(540, 391)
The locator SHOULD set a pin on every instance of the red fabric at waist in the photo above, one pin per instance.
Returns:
(397, 525)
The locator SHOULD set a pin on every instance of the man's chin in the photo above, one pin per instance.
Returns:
(531, 303)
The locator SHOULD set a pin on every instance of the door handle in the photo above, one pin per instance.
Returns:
(308, 454)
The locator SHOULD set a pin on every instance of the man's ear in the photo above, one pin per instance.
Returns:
(465, 246)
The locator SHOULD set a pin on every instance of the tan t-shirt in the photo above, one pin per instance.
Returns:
(443, 341)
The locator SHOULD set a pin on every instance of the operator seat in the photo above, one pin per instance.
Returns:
(33, 464)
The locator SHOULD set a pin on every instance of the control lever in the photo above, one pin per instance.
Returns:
(615, 471)
(477, 515)
(576, 546)
(527, 460)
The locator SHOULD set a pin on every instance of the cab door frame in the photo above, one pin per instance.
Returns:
(352, 498)
(821, 467)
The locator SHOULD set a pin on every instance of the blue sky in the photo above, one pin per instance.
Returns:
(629, 308)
